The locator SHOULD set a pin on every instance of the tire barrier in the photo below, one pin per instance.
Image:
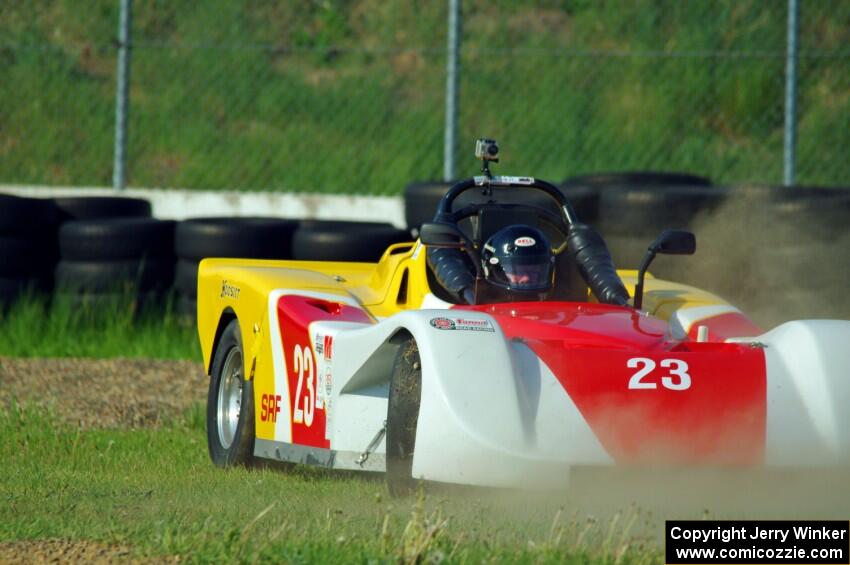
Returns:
(96, 207)
(20, 215)
(420, 201)
(638, 178)
(125, 275)
(27, 246)
(247, 238)
(132, 256)
(631, 219)
(330, 240)
(778, 253)
(186, 277)
(115, 239)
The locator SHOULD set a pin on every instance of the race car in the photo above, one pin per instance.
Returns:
(376, 367)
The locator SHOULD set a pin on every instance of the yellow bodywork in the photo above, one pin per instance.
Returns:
(239, 288)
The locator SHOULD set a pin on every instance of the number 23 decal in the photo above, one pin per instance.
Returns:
(306, 399)
(675, 368)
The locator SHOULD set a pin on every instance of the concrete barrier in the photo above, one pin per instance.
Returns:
(179, 204)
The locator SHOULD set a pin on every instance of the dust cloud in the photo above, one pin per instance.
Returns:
(776, 259)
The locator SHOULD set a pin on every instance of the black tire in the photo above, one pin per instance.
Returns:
(249, 238)
(646, 211)
(186, 306)
(98, 207)
(327, 240)
(23, 257)
(138, 302)
(240, 450)
(789, 214)
(20, 216)
(186, 277)
(115, 276)
(114, 239)
(420, 201)
(10, 289)
(402, 418)
(585, 201)
(637, 178)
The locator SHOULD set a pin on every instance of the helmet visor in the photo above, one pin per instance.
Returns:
(525, 273)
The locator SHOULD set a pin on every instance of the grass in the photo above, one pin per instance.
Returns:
(157, 492)
(348, 96)
(36, 326)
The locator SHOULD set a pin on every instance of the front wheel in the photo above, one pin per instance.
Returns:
(230, 403)
(402, 417)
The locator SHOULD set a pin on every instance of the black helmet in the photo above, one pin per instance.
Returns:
(519, 258)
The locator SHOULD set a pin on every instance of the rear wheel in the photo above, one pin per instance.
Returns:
(402, 418)
(230, 404)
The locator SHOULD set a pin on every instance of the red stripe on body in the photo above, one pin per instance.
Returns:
(294, 314)
(719, 418)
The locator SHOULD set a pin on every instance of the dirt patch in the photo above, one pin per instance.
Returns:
(105, 393)
(68, 551)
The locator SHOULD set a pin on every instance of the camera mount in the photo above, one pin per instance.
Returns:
(486, 150)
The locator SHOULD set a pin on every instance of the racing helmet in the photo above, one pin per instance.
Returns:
(519, 258)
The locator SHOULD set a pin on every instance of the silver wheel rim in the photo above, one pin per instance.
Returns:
(229, 397)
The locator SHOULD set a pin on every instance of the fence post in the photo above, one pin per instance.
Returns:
(790, 145)
(452, 75)
(122, 97)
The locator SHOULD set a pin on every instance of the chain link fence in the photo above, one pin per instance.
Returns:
(349, 96)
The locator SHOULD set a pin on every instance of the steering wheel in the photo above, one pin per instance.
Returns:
(587, 246)
(560, 223)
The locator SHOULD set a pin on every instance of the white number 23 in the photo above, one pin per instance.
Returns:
(675, 368)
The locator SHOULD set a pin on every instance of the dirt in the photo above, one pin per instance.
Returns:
(110, 393)
(70, 551)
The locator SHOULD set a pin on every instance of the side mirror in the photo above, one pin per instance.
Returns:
(441, 235)
(670, 242)
(674, 242)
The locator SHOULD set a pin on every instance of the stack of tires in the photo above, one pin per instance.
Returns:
(339, 240)
(246, 238)
(273, 238)
(110, 248)
(635, 207)
(27, 246)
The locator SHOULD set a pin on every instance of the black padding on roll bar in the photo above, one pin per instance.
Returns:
(595, 265)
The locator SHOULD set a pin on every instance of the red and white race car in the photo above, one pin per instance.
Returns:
(376, 367)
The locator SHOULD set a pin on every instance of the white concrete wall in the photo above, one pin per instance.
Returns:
(180, 204)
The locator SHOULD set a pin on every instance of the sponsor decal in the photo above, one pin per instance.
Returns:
(524, 241)
(270, 407)
(462, 324)
(329, 380)
(442, 323)
(228, 290)
(494, 260)
(328, 347)
(319, 346)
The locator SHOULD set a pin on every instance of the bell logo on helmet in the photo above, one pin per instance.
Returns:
(524, 241)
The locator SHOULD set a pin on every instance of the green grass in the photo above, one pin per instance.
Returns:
(36, 326)
(157, 492)
(348, 96)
